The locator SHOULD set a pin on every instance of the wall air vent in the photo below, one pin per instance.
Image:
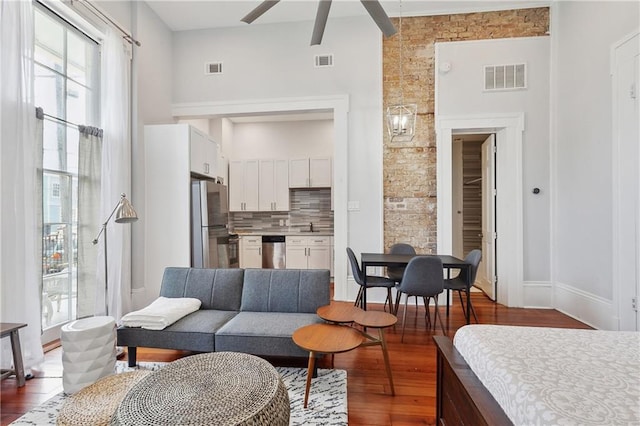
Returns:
(213, 68)
(323, 61)
(505, 77)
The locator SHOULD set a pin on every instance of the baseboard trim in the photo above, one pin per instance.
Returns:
(586, 307)
(537, 294)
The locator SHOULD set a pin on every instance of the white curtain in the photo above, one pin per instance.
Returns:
(20, 236)
(89, 220)
(116, 172)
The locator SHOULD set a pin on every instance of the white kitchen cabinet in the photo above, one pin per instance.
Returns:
(308, 252)
(243, 185)
(203, 154)
(310, 173)
(251, 251)
(274, 185)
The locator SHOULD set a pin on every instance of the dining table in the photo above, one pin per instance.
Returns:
(449, 262)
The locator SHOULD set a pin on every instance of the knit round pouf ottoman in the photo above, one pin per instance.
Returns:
(221, 388)
(95, 404)
(88, 351)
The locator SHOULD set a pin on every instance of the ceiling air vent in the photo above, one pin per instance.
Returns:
(213, 68)
(505, 77)
(323, 61)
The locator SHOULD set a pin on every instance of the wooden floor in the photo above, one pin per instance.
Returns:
(369, 402)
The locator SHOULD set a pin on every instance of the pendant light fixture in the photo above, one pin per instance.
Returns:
(401, 118)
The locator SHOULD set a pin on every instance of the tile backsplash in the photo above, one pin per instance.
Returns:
(306, 206)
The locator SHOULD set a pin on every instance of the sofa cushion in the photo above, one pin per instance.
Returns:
(216, 288)
(285, 290)
(195, 332)
(263, 333)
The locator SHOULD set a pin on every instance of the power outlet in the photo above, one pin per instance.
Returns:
(281, 222)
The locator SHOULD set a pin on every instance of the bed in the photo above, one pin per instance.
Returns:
(503, 375)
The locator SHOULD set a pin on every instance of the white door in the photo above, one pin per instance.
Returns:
(486, 278)
(626, 87)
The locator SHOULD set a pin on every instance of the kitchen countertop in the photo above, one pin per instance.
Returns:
(288, 233)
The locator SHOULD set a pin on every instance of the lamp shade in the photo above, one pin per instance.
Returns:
(401, 122)
(125, 212)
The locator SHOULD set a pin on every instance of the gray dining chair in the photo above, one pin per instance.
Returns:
(373, 281)
(459, 283)
(423, 278)
(396, 272)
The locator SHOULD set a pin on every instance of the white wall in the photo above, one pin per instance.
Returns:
(583, 35)
(263, 62)
(460, 93)
(282, 139)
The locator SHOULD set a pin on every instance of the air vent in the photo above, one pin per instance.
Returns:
(505, 77)
(213, 68)
(324, 61)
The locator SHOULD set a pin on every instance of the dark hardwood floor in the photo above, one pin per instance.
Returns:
(413, 364)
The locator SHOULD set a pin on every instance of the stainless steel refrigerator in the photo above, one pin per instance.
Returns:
(209, 226)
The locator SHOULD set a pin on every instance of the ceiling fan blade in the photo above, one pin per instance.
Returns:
(321, 21)
(258, 11)
(380, 17)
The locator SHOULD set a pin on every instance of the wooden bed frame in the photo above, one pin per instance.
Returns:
(461, 398)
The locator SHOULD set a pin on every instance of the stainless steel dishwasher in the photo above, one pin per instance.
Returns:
(273, 252)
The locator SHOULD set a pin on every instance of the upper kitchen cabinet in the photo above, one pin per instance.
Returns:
(273, 193)
(203, 153)
(243, 185)
(310, 173)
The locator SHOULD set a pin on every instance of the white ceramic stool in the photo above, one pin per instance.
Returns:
(88, 351)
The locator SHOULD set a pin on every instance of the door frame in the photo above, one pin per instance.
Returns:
(509, 128)
(339, 105)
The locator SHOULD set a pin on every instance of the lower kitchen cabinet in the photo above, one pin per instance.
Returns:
(308, 252)
(251, 251)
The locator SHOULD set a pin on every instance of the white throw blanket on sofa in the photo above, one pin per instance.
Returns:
(161, 313)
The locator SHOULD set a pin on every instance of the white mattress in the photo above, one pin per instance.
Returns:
(555, 376)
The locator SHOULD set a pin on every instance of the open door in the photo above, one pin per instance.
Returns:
(626, 184)
(486, 278)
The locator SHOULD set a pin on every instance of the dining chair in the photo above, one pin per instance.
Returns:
(423, 278)
(396, 272)
(372, 281)
(459, 283)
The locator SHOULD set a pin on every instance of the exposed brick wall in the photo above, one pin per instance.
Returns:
(410, 167)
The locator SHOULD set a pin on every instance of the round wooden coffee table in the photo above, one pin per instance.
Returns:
(347, 313)
(327, 339)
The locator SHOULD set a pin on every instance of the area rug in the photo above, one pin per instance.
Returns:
(327, 398)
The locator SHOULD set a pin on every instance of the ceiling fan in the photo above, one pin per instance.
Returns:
(374, 8)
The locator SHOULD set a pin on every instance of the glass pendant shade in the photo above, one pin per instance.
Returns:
(401, 122)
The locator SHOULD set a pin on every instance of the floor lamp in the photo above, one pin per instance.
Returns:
(124, 214)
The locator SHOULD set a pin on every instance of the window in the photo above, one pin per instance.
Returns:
(55, 190)
(66, 87)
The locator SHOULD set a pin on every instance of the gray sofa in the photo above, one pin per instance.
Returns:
(243, 310)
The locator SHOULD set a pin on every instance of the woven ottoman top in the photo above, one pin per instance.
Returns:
(96, 403)
(221, 388)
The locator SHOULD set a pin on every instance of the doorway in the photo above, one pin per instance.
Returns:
(474, 191)
(508, 129)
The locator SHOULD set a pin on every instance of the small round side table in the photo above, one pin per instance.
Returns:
(327, 339)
